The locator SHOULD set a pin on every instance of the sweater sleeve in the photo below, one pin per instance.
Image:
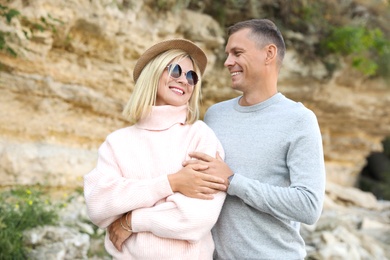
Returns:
(105, 184)
(302, 200)
(181, 217)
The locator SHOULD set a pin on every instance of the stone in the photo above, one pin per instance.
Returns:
(50, 242)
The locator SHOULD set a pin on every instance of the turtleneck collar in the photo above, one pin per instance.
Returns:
(163, 117)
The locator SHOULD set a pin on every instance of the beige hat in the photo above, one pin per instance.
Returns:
(194, 51)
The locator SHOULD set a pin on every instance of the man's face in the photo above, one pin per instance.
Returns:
(245, 61)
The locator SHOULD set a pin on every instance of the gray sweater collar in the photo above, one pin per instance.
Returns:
(262, 105)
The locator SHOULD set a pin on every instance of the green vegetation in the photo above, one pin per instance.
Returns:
(337, 32)
(8, 14)
(171, 5)
(43, 24)
(22, 209)
(366, 48)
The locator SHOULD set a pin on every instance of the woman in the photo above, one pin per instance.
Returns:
(139, 180)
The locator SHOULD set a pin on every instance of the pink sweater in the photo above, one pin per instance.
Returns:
(131, 175)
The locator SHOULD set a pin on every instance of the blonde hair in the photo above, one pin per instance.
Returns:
(145, 90)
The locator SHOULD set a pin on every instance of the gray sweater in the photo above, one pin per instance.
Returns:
(275, 150)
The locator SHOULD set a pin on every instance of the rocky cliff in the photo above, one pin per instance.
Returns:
(64, 91)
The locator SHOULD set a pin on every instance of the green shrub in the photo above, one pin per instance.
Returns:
(366, 48)
(43, 24)
(22, 209)
(8, 14)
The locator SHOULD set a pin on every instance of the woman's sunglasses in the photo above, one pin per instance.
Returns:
(175, 71)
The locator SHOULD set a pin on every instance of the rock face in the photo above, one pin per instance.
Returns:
(64, 92)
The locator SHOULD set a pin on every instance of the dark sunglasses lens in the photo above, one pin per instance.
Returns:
(175, 71)
(192, 78)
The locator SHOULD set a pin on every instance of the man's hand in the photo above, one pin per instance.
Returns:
(214, 166)
(117, 234)
(192, 182)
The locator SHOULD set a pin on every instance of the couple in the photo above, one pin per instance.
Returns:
(235, 187)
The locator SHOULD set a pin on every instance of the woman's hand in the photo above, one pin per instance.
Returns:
(120, 230)
(215, 167)
(195, 181)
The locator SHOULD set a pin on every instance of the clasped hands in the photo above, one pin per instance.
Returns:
(199, 178)
(203, 176)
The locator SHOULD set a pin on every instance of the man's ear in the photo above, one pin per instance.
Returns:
(271, 51)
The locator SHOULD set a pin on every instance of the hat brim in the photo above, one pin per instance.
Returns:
(189, 47)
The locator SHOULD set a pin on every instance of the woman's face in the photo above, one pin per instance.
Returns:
(175, 91)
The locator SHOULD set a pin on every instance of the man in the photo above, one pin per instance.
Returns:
(274, 161)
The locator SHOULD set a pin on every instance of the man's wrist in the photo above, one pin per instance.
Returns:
(230, 178)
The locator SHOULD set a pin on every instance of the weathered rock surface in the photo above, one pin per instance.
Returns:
(353, 225)
(64, 93)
